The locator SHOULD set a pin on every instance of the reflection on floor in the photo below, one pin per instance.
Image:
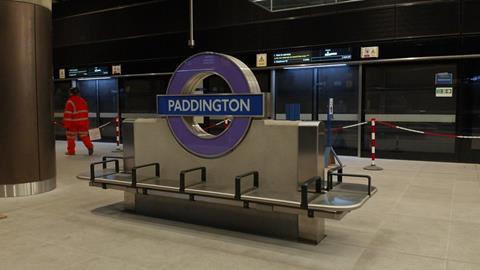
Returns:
(426, 215)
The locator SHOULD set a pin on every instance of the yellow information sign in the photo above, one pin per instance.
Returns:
(261, 60)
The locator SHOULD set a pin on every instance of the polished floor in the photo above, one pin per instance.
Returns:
(426, 215)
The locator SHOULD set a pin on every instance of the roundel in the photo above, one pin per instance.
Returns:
(183, 82)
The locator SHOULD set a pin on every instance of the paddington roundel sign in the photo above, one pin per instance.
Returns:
(180, 105)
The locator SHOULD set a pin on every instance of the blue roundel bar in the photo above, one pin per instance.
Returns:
(241, 105)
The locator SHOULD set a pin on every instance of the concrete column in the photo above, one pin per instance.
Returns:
(27, 142)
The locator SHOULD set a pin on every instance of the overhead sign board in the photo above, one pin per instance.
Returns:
(242, 105)
(315, 56)
(88, 72)
(292, 58)
(369, 52)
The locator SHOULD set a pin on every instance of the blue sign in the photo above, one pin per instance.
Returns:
(243, 105)
(445, 78)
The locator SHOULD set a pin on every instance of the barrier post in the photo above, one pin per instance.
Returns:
(373, 166)
(117, 131)
(117, 134)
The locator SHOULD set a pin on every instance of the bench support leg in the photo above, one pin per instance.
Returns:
(311, 229)
(129, 200)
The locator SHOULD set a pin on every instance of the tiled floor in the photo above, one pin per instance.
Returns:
(426, 215)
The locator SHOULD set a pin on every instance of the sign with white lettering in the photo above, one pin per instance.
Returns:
(244, 105)
(315, 56)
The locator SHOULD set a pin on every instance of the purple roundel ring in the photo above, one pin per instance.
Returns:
(241, 81)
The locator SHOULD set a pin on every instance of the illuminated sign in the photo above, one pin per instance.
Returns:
(88, 72)
(292, 58)
(250, 105)
(317, 56)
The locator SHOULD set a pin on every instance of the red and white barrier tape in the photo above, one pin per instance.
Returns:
(104, 125)
(350, 126)
(225, 123)
(100, 127)
(453, 136)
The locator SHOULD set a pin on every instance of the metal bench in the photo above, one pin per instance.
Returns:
(313, 195)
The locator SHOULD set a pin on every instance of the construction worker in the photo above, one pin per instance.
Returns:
(75, 121)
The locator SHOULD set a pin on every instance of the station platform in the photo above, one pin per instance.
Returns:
(424, 217)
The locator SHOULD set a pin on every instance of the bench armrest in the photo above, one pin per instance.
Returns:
(184, 172)
(238, 180)
(105, 158)
(304, 189)
(134, 171)
(369, 179)
(104, 165)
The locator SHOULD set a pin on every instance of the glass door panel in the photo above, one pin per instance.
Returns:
(294, 86)
(340, 83)
(406, 95)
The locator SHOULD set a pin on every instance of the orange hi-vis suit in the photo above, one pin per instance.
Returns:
(75, 121)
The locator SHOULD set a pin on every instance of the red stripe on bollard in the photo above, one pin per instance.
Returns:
(117, 131)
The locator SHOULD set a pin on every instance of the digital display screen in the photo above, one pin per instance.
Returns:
(316, 56)
(88, 72)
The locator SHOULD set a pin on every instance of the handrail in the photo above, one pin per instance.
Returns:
(182, 176)
(304, 189)
(104, 164)
(134, 171)
(238, 179)
(369, 178)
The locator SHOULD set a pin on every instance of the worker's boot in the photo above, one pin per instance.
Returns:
(90, 151)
